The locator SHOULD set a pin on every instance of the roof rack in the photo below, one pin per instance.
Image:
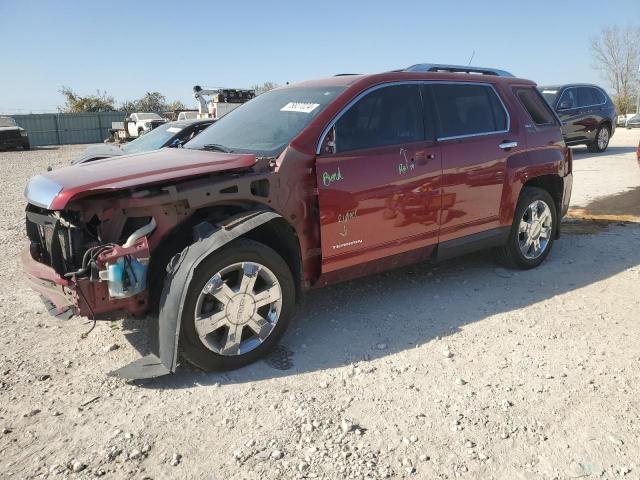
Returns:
(436, 67)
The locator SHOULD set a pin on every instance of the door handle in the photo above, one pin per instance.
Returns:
(508, 145)
(424, 159)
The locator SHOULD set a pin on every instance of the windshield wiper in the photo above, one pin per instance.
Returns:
(216, 147)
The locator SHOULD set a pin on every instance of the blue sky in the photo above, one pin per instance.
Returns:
(170, 46)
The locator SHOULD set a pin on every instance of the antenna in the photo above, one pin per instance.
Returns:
(471, 59)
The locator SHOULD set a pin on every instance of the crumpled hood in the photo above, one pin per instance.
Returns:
(53, 190)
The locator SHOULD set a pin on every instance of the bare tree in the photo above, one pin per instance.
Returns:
(616, 53)
(265, 87)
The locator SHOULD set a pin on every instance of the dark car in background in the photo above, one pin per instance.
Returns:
(587, 113)
(172, 134)
(12, 135)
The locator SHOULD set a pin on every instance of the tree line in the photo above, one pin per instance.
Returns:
(101, 101)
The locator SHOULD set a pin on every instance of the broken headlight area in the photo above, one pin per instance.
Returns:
(103, 276)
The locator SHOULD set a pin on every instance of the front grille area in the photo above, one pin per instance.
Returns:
(54, 241)
(9, 135)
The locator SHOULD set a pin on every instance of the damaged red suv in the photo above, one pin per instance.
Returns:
(304, 186)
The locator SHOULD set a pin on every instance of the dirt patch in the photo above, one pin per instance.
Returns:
(623, 206)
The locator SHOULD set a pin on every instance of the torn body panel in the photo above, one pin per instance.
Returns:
(60, 239)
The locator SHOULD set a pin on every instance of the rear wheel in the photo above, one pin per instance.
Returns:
(601, 141)
(238, 305)
(533, 230)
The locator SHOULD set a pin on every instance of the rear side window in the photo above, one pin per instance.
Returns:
(468, 110)
(536, 106)
(586, 97)
(387, 116)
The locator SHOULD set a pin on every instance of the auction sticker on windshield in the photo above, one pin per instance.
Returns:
(299, 107)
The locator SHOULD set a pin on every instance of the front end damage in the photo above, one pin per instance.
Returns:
(69, 264)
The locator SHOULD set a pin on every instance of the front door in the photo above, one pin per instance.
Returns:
(378, 178)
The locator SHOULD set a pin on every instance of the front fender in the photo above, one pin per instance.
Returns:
(165, 333)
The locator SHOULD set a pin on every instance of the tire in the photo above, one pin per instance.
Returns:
(140, 132)
(216, 351)
(26, 146)
(601, 142)
(512, 254)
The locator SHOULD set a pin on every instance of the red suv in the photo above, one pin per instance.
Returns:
(304, 186)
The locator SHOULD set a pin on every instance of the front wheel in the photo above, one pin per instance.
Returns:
(238, 305)
(533, 230)
(601, 141)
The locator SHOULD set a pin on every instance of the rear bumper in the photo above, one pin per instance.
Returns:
(566, 194)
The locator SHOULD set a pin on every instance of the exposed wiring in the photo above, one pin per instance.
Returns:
(93, 317)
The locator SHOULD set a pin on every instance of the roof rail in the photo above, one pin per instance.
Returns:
(345, 74)
(436, 67)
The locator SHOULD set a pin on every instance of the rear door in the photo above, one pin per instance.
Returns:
(378, 177)
(477, 139)
(589, 111)
(571, 115)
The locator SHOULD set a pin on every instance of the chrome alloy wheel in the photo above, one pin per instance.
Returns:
(238, 308)
(603, 138)
(534, 232)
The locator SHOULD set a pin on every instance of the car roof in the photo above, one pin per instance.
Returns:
(560, 87)
(347, 80)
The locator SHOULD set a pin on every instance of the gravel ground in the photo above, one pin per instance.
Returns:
(460, 370)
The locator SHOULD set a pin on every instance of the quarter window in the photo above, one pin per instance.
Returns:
(469, 110)
(537, 107)
(598, 96)
(387, 116)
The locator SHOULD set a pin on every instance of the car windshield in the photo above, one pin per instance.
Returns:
(7, 122)
(549, 95)
(149, 116)
(155, 139)
(268, 123)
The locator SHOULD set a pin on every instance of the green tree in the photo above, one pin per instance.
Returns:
(100, 102)
(152, 102)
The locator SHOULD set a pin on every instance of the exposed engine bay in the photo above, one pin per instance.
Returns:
(102, 270)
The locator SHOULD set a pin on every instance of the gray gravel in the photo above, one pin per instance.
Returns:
(461, 370)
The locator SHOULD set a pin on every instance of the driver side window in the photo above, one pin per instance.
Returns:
(387, 116)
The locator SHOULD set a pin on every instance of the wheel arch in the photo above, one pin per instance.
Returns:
(554, 186)
(277, 233)
(208, 238)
